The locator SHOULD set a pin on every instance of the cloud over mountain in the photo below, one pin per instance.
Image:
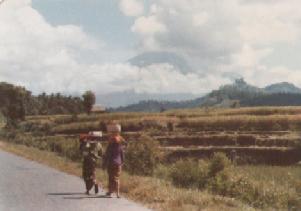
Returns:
(50, 58)
(232, 36)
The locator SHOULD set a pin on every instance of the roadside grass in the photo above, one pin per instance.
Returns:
(284, 176)
(155, 193)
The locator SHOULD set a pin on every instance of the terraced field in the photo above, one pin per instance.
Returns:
(252, 135)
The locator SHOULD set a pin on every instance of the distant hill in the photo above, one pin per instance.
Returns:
(157, 106)
(239, 93)
(159, 57)
(283, 87)
(129, 97)
(273, 99)
(279, 94)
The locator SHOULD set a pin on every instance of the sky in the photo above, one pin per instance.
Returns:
(71, 46)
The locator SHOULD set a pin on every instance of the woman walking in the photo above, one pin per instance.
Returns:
(89, 169)
(114, 159)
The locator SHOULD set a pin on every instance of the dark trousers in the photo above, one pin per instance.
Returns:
(90, 179)
(114, 172)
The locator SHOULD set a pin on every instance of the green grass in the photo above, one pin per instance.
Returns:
(277, 175)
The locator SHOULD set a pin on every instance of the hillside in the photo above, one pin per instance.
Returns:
(274, 99)
(283, 87)
(128, 97)
(239, 93)
(157, 106)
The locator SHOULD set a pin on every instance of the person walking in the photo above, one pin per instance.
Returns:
(114, 159)
(89, 169)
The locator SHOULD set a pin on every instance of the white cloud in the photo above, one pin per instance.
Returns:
(217, 38)
(267, 23)
(192, 28)
(47, 58)
(200, 19)
(250, 57)
(224, 36)
(149, 27)
(34, 52)
(131, 7)
(161, 78)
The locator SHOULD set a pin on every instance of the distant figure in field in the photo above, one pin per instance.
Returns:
(170, 126)
(114, 159)
(89, 168)
(233, 156)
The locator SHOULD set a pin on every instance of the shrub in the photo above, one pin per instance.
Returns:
(218, 163)
(162, 172)
(142, 156)
(189, 173)
(220, 183)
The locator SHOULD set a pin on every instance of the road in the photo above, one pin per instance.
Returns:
(28, 186)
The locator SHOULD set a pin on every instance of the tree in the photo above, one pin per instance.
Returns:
(12, 100)
(89, 101)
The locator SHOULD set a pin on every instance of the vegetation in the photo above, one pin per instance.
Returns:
(16, 102)
(238, 94)
(189, 174)
(89, 101)
(142, 156)
(12, 102)
(160, 159)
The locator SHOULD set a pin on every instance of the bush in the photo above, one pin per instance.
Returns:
(142, 156)
(189, 174)
(220, 183)
(198, 174)
(218, 163)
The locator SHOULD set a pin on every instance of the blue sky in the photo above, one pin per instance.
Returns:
(101, 18)
(70, 46)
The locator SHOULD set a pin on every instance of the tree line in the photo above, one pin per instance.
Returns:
(16, 102)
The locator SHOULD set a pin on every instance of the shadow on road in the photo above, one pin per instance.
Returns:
(78, 195)
(88, 197)
(65, 194)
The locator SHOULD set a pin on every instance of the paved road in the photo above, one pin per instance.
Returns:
(28, 186)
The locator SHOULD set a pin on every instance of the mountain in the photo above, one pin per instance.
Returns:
(158, 106)
(159, 57)
(239, 93)
(231, 93)
(283, 87)
(128, 97)
(273, 99)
